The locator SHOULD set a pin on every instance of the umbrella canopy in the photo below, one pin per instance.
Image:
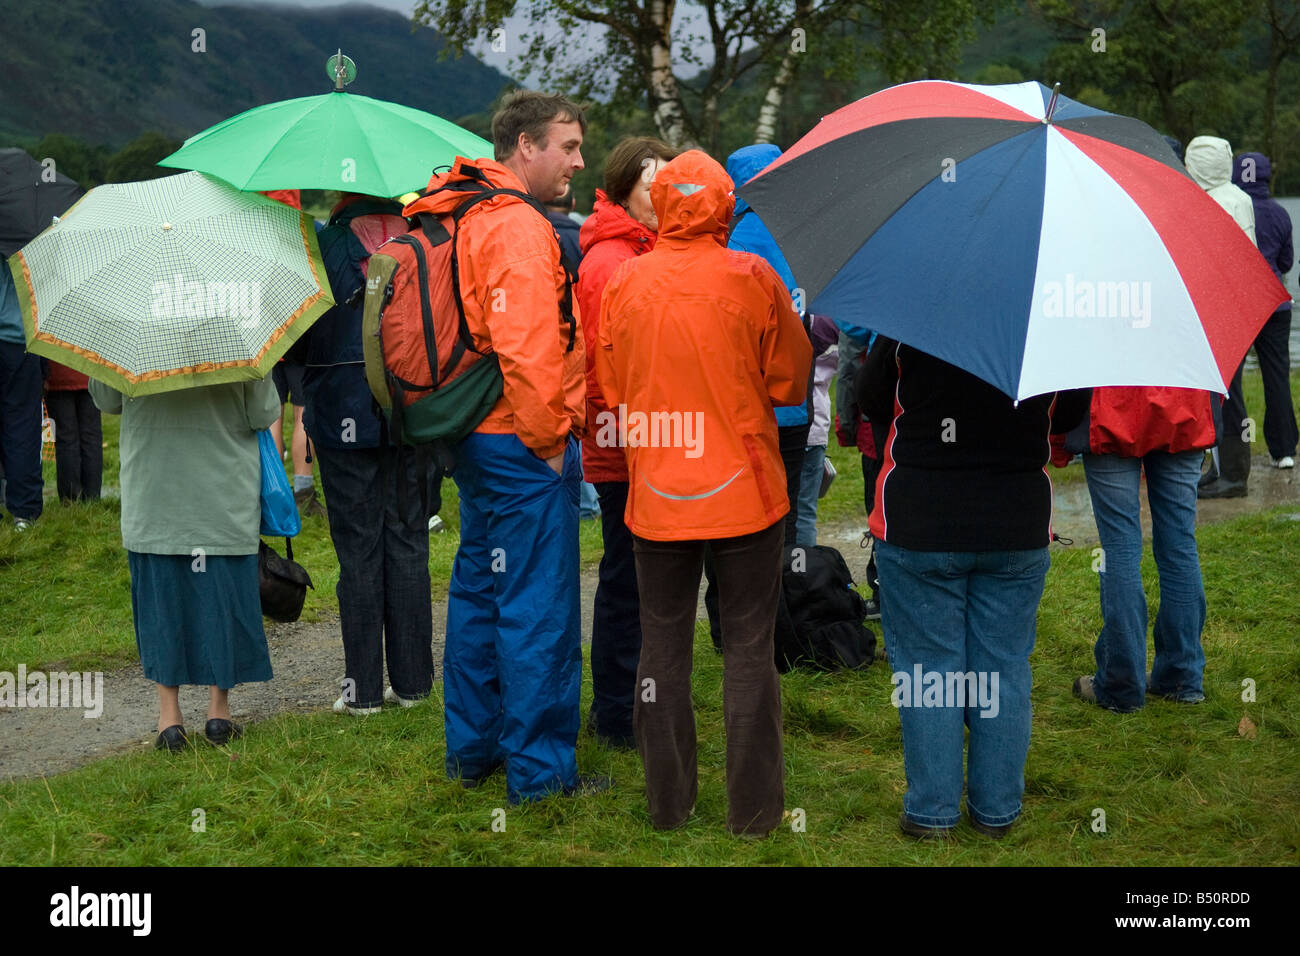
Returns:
(30, 196)
(1038, 243)
(171, 283)
(334, 141)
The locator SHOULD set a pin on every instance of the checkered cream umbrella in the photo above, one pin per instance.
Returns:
(171, 283)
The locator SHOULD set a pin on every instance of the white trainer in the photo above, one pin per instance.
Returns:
(1284, 462)
(341, 707)
(390, 696)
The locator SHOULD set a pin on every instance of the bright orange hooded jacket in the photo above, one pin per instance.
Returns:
(511, 284)
(697, 343)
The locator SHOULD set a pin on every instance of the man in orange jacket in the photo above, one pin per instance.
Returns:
(512, 667)
(696, 345)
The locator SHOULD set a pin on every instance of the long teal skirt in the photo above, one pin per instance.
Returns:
(198, 627)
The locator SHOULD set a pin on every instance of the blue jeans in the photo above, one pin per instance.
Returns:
(1121, 651)
(384, 601)
(512, 667)
(962, 613)
(809, 486)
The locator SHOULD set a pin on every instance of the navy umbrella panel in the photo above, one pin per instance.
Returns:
(1036, 254)
(29, 198)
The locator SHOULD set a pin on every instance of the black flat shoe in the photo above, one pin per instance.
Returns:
(172, 739)
(220, 731)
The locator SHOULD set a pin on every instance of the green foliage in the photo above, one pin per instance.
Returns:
(137, 159)
(72, 157)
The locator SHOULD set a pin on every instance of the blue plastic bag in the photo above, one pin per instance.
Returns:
(279, 510)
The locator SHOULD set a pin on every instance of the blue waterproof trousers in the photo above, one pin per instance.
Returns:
(513, 660)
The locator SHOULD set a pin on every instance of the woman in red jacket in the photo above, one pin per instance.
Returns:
(622, 226)
(78, 435)
(1162, 432)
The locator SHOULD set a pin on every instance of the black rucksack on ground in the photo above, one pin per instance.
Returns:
(820, 624)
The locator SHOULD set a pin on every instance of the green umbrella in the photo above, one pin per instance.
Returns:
(171, 283)
(335, 141)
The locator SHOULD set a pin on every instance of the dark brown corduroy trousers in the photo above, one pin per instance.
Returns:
(749, 578)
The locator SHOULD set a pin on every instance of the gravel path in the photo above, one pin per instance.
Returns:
(307, 658)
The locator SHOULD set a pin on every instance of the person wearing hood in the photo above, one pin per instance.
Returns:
(697, 343)
(1252, 172)
(512, 664)
(1209, 162)
(622, 226)
(749, 234)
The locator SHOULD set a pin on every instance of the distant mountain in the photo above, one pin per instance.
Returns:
(105, 71)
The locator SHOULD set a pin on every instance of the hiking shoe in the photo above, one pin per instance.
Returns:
(1222, 488)
(1083, 689)
(916, 831)
(308, 503)
(872, 610)
(1286, 461)
(343, 707)
(473, 783)
(437, 525)
(995, 833)
(391, 697)
(589, 784)
(21, 524)
(1174, 698)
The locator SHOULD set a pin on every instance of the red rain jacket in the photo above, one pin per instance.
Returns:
(609, 237)
(1134, 420)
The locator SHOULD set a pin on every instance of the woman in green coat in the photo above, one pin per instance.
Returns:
(191, 513)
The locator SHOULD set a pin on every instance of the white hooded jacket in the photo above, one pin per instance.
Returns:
(1209, 161)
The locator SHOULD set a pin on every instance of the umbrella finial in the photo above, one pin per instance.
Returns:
(341, 70)
(1051, 106)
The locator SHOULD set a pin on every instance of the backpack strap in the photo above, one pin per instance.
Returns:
(476, 186)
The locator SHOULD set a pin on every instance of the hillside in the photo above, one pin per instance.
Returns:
(106, 71)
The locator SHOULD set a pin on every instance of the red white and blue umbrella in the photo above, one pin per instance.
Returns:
(1036, 242)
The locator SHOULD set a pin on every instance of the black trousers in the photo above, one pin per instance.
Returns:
(1229, 424)
(385, 607)
(749, 577)
(615, 621)
(1273, 348)
(793, 441)
(20, 430)
(78, 444)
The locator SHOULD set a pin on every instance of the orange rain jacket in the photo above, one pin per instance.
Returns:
(512, 283)
(697, 343)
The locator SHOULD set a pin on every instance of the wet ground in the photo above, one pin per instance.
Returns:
(307, 658)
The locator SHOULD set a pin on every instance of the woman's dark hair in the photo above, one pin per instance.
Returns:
(626, 160)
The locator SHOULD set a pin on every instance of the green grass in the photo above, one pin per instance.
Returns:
(1178, 784)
